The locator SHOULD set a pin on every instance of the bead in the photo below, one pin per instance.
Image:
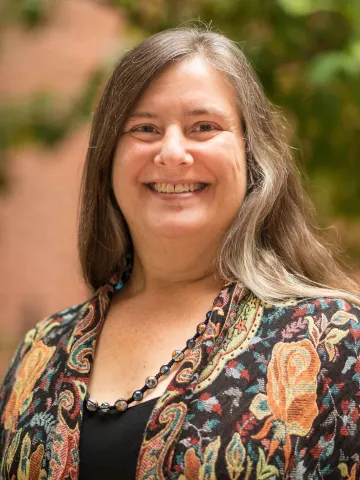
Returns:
(178, 355)
(138, 395)
(92, 405)
(201, 328)
(121, 405)
(151, 382)
(164, 370)
(105, 407)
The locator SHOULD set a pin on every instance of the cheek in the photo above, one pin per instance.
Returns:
(127, 165)
(231, 173)
(228, 161)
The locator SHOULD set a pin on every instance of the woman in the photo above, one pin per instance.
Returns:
(190, 194)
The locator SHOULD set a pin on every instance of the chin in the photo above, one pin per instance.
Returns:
(172, 230)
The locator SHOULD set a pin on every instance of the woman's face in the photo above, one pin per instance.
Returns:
(179, 169)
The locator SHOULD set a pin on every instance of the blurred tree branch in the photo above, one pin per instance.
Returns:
(30, 13)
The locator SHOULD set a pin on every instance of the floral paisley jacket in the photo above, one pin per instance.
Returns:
(269, 393)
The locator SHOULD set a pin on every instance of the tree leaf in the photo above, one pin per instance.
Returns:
(304, 7)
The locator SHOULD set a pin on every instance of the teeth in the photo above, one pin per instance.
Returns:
(179, 188)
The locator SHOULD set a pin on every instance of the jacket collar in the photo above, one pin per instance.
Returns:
(71, 391)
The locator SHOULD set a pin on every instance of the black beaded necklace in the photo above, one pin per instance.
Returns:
(150, 382)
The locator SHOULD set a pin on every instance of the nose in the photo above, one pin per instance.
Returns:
(173, 151)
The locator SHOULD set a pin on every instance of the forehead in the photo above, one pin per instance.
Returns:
(190, 84)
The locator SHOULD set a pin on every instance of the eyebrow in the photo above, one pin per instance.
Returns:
(142, 115)
(196, 112)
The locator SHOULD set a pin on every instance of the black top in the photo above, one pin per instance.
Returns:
(110, 443)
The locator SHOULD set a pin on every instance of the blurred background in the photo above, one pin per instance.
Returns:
(55, 54)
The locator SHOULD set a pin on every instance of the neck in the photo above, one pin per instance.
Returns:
(173, 267)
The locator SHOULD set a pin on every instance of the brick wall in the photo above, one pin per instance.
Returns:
(39, 271)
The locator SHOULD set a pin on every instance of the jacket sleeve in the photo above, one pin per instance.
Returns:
(332, 448)
(7, 386)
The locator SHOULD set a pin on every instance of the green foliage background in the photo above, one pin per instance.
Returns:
(307, 55)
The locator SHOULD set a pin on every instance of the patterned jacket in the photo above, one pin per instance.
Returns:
(269, 393)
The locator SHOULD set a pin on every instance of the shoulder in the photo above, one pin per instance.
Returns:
(312, 369)
(327, 328)
(44, 336)
(300, 307)
(324, 313)
(57, 325)
(37, 359)
(325, 305)
(325, 332)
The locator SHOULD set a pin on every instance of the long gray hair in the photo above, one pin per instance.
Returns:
(271, 246)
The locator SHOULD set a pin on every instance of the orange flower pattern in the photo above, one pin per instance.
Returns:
(270, 392)
(30, 368)
(291, 394)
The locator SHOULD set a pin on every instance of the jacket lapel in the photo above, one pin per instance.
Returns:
(71, 390)
(168, 416)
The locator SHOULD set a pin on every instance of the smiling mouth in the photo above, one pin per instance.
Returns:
(179, 188)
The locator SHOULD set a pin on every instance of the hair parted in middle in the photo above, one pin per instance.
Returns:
(271, 246)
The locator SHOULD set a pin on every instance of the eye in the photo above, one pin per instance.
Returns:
(206, 127)
(144, 129)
